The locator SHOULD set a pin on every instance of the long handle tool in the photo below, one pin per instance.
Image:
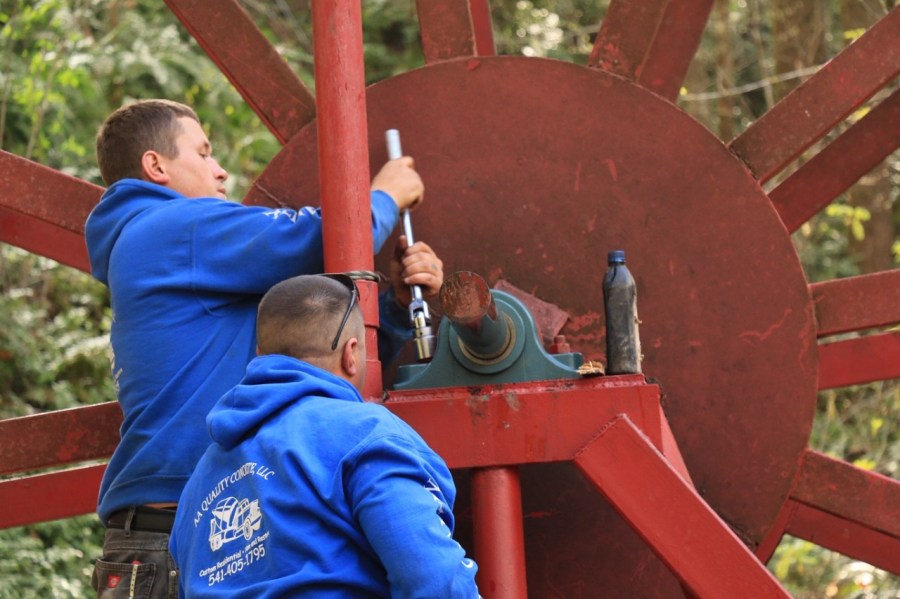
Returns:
(419, 316)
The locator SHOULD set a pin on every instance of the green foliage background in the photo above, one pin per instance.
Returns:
(67, 63)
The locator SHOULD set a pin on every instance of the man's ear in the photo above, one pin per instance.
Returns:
(349, 358)
(153, 168)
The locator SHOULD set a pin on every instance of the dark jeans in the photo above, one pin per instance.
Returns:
(135, 564)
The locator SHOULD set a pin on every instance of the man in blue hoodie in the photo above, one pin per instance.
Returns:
(186, 271)
(307, 490)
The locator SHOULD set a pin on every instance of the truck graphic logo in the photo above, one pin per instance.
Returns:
(232, 519)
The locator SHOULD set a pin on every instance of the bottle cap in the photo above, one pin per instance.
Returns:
(617, 257)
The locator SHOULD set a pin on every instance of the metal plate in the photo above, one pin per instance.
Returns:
(534, 170)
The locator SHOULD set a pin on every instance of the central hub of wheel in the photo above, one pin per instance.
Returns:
(534, 170)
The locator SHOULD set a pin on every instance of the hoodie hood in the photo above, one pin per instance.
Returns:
(122, 202)
(271, 383)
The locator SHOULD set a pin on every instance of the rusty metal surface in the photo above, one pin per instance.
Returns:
(521, 186)
(626, 36)
(839, 165)
(674, 46)
(661, 506)
(60, 437)
(231, 39)
(859, 360)
(811, 110)
(51, 496)
(857, 303)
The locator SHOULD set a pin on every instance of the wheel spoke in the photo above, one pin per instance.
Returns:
(857, 303)
(233, 41)
(860, 360)
(455, 29)
(43, 210)
(674, 46)
(626, 36)
(59, 437)
(811, 110)
(45, 193)
(858, 521)
(45, 239)
(830, 172)
(39, 498)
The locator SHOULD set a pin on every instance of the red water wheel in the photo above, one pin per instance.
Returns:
(534, 170)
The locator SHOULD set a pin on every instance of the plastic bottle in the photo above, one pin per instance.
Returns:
(623, 343)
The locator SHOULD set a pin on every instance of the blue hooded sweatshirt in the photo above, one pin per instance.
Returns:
(185, 277)
(308, 491)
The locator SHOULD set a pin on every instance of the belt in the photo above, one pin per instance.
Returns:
(147, 519)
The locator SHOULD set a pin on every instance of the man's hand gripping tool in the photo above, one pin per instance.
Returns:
(419, 316)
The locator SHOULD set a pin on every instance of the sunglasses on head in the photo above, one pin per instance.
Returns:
(348, 282)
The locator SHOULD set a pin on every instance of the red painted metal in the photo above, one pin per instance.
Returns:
(483, 27)
(445, 30)
(846, 509)
(859, 360)
(50, 496)
(344, 159)
(480, 427)
(674, 46)
(231, 39)
(830, 172)
(626, 36)
(811, 110)
(45, 193)
(668, 514)
(849, 492)
(845, 537)
(44, 239)
(498, 533)
(554, 194)
(59, 438)
(857, 303)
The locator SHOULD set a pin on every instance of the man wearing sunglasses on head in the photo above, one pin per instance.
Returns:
(186, 271)
(306, 489)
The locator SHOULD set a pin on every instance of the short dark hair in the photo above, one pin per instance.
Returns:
(300, 316)
(135, 128)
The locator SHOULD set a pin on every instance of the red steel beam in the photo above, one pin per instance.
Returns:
(474, 427)
(233, 41)
(857, 303)
(59, 437)
(811, 110)
(626, 36)
(859, 360)
(661, 507)
(839, 165)
(454, 29)
(849, 510)
(344, 159)
(846, 537)
(44, 239)
(483, 27)
(52, 496)
(498, 533)
(41, 192)
(848, 492)
(674, 46)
